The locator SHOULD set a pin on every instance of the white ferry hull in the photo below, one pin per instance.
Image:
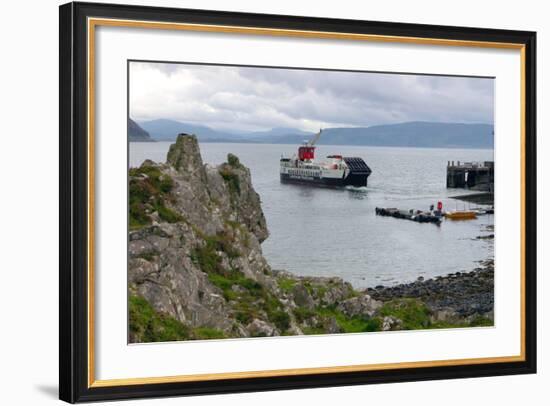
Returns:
(356, 174)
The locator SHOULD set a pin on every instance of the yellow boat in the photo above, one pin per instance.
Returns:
(461, 215)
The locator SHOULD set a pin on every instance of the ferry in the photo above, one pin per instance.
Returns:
(334, 171)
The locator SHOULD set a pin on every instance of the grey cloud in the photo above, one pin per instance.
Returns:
(262, 98)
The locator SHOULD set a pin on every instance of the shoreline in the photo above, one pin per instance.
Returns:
(459, 295)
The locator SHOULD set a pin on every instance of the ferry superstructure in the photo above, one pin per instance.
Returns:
(334, 171)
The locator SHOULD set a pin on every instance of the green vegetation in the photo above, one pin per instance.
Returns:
(346, 324)
(240, 229)
(302, 314)
(478, 321)
(233, 161)
(412, 312)
(207, 333)
(231, 180)
(251, 299)
(286, 284)
(235, 225)
(148, 255)
(149, 190)
(147, 325)
(206, 256)
(315, 290)
(355, 324)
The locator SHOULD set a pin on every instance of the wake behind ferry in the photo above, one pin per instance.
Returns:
(335, 171)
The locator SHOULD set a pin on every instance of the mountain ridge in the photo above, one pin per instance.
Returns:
(407, 134)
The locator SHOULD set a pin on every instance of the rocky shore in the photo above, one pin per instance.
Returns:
(460, 296)
(196, 269)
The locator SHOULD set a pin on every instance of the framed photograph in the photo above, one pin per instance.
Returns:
(256, 202)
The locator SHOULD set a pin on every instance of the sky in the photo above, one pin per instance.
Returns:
(233, 98)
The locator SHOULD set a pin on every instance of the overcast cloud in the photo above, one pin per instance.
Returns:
(238, 98)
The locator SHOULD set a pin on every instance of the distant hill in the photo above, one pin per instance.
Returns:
(414, 134)
(278, 132)
(136, 133)
(410, 134)
(168, 130)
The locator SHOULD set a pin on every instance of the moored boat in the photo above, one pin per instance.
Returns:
(415, 215)
(461, 215)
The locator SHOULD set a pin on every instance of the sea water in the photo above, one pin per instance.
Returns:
(335, 232)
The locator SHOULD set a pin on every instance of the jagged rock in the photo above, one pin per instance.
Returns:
(336, 291)
(185, 157)
(360, 305)
(390, 323)
(302, 297)
(295, 329)
(331, 326)
(260, 328)
(444, 315)
(201, 211)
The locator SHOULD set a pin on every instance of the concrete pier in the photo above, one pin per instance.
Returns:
(471, 175)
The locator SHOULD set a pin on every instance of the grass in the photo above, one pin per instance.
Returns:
(286, 284)
(478, 321)
(231, 180)
(235, 278)
(280, 318)
(252, 300)
(149, 190)
(316, 290)
(167, 214)
(207, 333)
(355, 324)
(147, 325)
(346, 324)
(241, 229)
(412, 312)
(207, 257)
(233, 161)
(302, 314)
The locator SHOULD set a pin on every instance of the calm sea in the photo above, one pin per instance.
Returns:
(327, 232)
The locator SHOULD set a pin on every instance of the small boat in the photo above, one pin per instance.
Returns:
(461, 215)
(414, 215)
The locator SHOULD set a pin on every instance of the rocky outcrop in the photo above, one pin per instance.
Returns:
(360, 305)
(195, 238)
(196, 269)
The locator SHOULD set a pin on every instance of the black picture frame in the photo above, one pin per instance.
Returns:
(74, 199)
